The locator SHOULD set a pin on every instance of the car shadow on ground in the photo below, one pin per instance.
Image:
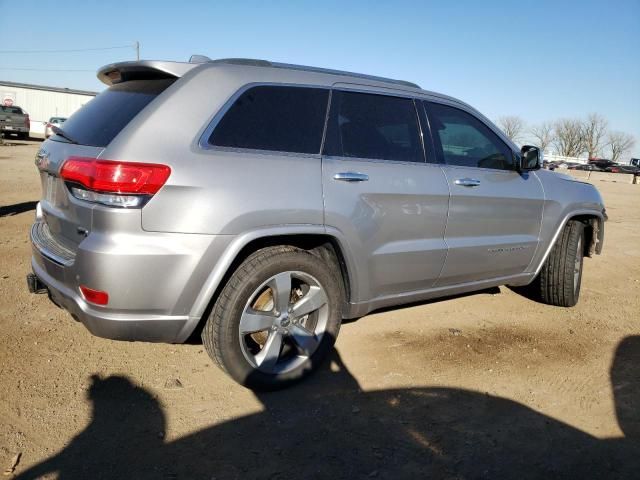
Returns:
(17, 208)
(327, 427)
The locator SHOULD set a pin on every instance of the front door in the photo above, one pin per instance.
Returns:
(495, 212)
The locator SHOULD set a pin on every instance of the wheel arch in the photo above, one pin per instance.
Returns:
(594, 232)
(315, 239)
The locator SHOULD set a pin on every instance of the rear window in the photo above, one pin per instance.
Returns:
(275, 118)
(100, 120)
(17, 110)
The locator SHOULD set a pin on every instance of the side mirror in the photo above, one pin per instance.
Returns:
(530, 158)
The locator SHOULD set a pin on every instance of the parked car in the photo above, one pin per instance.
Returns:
(602, 163)
(635, 162)
(587, 166)
(14, 121)
(571, 165)
(53, 121)
(289, 198)
(623, 169)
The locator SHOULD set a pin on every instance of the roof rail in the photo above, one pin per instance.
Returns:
(289, 66)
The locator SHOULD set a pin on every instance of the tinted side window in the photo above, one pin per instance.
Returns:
(276, 118)
(465, 140)
(100, 120)
(366, 125)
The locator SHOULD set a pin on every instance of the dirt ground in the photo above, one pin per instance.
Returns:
(488, 385)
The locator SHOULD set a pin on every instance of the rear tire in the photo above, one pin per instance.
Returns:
(276, 319)
(561, 275)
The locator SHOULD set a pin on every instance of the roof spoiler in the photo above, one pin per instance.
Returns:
(142, 70)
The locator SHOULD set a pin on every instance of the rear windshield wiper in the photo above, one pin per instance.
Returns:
(60, 132)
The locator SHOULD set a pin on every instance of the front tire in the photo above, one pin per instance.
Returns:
(276, 319)
(561, 275)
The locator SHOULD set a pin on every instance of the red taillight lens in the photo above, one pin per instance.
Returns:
(94, 296)
(27, 122)
(115, 177)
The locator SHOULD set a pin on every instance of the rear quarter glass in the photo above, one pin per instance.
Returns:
(100, 120)
(274, 118)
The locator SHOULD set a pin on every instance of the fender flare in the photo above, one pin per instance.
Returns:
(601, 216)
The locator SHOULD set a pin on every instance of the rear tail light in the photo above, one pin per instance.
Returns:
(113, 183)
(27, 122)
(94, 296)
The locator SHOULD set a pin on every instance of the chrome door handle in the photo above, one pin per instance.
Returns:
(467, 182)
(351, 177)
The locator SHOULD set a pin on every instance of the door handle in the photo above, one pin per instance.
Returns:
(351, 177)
(467, 182)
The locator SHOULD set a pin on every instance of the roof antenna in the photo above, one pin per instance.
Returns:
(199, 59)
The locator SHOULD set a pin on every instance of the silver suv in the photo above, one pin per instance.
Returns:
(258, 204)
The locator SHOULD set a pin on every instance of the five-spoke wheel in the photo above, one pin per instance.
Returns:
(276, 318)
(283, 321)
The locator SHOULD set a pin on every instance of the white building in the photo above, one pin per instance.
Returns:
(42, 103)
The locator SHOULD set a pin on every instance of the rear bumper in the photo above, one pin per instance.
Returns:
(117, 326)
(152, 280)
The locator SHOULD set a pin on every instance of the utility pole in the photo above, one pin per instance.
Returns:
(137, 45)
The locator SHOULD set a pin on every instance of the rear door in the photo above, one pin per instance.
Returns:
(495, 212)
(389, 203)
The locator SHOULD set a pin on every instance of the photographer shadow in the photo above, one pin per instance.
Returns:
(328, 427)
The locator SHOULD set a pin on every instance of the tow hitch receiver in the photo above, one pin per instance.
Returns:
(35, 285)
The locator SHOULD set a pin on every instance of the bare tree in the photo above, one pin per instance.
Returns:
(512, 126)
(569, 138)
(594, 133)
(619, 143)
(543, 134)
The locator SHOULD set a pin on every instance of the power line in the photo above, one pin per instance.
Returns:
(46, 69)
(68, 50)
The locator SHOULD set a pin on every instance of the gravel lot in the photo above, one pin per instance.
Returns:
(489, 385)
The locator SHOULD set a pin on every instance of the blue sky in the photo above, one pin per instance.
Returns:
(541, 60)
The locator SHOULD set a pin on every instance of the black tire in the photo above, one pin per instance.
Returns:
(221, 333)
(561, 275)
(22, 135)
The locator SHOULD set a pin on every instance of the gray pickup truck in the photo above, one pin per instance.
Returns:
(14, 120)
(260, 204)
